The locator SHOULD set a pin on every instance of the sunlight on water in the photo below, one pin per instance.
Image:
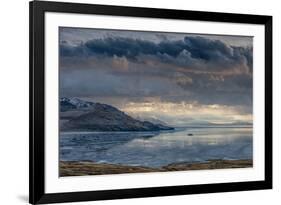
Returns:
(157, 149)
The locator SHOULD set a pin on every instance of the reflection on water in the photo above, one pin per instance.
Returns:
(157, 149)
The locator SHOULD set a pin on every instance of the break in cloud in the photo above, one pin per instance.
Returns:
(179, 73)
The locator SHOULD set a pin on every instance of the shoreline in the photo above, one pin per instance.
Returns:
(155, 131)
(84, 168)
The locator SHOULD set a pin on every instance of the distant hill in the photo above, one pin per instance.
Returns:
(152, 120)
(79, 115)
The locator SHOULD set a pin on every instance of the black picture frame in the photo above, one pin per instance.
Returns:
(37, 9)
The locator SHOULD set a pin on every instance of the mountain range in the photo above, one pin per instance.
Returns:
(80, 115)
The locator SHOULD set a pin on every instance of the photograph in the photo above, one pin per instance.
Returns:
(149, 101)
(132, 102)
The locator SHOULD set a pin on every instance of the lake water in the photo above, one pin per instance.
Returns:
(156, 149)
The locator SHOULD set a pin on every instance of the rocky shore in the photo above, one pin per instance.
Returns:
(90, 168)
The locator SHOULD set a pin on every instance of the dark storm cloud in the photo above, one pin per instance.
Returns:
(194, 68)
(186, 52)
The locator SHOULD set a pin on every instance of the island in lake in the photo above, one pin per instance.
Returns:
(79, 115)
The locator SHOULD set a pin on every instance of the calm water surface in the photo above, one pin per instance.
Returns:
(156, 149)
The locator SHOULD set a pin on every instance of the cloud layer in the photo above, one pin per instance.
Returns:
(186, 52)
(190, 69)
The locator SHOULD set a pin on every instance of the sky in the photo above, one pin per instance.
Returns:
(178, 78)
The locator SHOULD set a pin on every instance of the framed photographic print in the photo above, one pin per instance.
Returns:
(140, 102)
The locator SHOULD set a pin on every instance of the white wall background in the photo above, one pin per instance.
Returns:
(14, 100)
